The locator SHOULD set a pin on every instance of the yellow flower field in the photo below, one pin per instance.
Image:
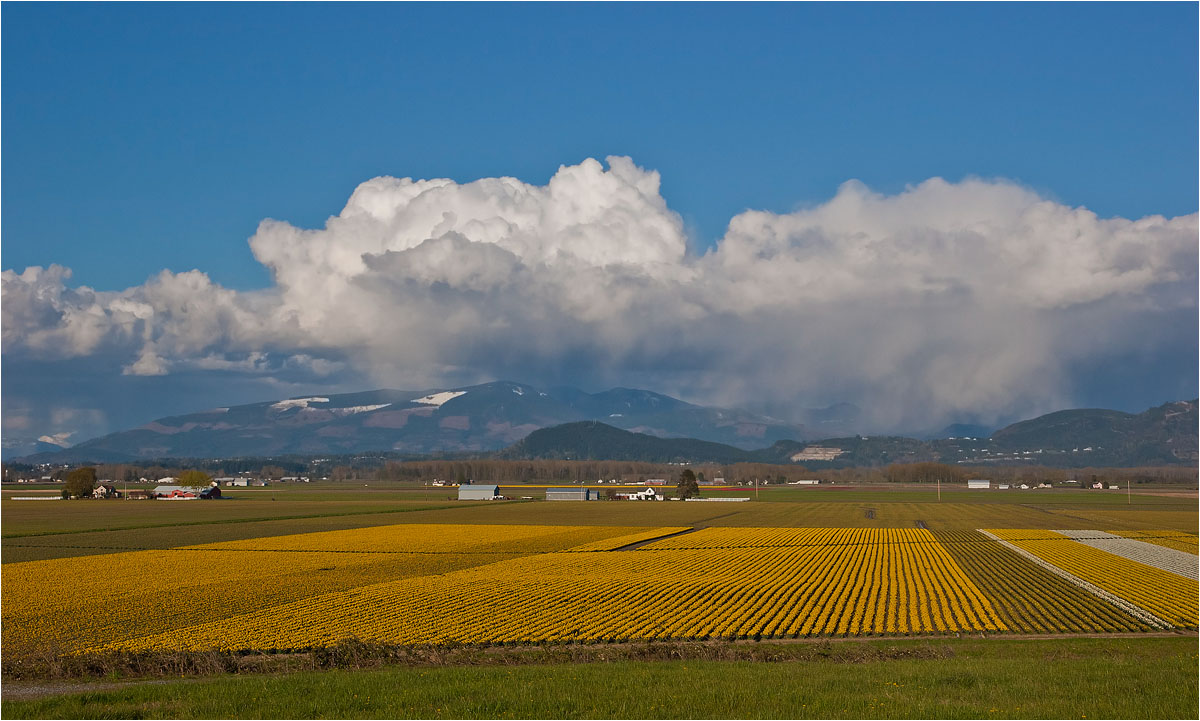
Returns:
(489, 584)
(859, 581)
(79, 602)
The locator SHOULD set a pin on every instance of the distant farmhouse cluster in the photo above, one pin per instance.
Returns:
(192, 485)
(491, 492)
(983, 484)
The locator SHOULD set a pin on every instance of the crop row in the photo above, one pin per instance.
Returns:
(1167, 559)
(1168, 596)
(1027, 597)
(615, 542)
(721, 538)
(1179, 540)
(430, 538)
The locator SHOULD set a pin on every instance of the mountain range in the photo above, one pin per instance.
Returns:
(1165, 435)
(478, 418)
(514, 420)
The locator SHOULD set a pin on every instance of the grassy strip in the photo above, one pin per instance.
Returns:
(217, 521)
(355, 654)
(1056, 678)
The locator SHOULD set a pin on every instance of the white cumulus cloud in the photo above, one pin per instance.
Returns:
(949, 298)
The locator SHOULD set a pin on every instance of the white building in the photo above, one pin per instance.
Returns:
(978, 483)
(647, 495)
(478, 492)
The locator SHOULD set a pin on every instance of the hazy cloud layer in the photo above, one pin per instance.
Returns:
(947, 300)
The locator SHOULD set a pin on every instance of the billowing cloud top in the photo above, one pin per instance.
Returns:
(948, 298)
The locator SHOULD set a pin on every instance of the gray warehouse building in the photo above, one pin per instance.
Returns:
(473, 492)
(572, 494)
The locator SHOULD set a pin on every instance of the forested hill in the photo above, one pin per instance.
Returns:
(591, 440)
(1165, 435)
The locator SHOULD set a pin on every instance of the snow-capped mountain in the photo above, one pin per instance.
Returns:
(474, 418)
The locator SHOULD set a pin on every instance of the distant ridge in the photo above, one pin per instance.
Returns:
(512, 420)
(592, 440)
(467, 419)
(1165, 435)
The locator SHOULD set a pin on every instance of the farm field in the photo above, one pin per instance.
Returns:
(325, 568)
(41, 530)
(442, 583)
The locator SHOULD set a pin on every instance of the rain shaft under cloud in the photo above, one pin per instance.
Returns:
(977, 299)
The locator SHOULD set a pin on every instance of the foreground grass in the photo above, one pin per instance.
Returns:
(1054, 678)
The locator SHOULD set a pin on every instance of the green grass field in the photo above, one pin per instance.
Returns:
(1075, 678)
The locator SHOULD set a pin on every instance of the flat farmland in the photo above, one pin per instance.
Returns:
(35, 530)
(306, 569)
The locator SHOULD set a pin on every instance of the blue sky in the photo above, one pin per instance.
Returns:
(141, 137)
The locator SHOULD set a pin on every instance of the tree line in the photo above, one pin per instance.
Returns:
(563, 471)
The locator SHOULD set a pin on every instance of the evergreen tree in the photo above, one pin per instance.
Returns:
(687, 485)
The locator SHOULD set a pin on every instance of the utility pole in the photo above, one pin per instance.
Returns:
(756, 488)
(939, 480)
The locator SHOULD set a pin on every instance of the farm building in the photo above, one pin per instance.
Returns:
(978, 483)
(572, 494)
(472, 492)
(647, 495)
(180, 493)
(804, 483)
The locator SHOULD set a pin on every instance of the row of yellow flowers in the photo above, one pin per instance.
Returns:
(1029, 598)
(1169, 596)
(639, 536)
(1178, 540)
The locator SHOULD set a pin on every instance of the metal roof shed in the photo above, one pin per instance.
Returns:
(568, 494)
(473, 492)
